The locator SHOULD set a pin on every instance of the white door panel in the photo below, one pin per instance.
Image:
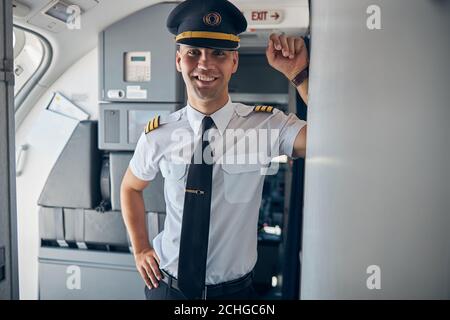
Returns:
(45, 140)
(377, 184)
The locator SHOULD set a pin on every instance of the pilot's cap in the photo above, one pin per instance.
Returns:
(207, 24)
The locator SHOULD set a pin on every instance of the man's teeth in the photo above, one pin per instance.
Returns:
(204, 78)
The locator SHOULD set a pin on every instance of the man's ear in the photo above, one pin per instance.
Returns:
(178, 60)
(235, 61)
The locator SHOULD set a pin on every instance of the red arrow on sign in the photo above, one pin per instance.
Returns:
(276, 16)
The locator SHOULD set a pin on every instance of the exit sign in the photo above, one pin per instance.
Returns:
(263, 16)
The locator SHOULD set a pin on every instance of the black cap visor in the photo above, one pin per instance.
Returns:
(210, 43)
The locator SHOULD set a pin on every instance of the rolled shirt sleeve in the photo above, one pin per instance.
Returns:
(142, 164)
(289, 126)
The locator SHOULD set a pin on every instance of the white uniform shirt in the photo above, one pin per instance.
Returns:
(236, 188)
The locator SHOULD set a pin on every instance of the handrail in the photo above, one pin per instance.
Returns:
(20, 162)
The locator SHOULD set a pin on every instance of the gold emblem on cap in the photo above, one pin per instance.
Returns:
(212, 19)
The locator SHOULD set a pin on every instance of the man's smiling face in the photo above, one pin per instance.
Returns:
(206, 72)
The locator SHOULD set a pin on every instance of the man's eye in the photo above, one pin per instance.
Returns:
(192, 52)
(219, 52)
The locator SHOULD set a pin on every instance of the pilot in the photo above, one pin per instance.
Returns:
(208, 247)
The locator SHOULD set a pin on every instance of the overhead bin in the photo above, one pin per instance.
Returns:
(137, 59)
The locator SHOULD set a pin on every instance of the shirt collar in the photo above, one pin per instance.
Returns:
(221, 117)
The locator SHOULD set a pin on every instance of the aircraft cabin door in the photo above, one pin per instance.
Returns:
(8, 244)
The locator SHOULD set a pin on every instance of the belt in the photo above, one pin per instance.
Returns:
(214, 290)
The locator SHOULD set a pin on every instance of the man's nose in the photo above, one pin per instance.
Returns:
(205, 61)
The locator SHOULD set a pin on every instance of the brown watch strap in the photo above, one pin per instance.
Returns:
(300, 77)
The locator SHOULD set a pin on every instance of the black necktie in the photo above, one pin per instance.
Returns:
(195, 225)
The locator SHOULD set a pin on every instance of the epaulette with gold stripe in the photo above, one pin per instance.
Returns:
(152, 124)
(266, 109)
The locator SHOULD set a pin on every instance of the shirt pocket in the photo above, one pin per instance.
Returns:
(241, 182)
(173, 171)
(175, 175)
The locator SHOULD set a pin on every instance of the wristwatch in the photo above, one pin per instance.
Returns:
(300, 77)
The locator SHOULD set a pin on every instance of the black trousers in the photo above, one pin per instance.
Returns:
(163, 292)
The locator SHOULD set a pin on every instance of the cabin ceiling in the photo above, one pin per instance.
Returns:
(70, 45)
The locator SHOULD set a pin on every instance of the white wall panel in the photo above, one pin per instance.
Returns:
(378, 159)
